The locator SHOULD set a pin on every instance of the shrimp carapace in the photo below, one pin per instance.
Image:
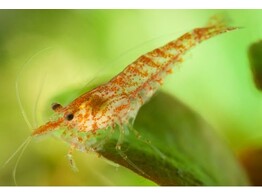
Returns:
(118, 101)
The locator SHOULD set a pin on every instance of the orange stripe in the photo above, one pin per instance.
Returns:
(48, 127)
(148, 61)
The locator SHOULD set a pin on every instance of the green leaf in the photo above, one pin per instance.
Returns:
(255, 58)
(184, 149)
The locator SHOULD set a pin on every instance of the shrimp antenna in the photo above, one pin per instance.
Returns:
(37, 100)
(17, 87)
(21, 106)
(18, 149)
(22, 147)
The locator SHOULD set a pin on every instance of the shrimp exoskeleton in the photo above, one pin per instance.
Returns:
(117, 102)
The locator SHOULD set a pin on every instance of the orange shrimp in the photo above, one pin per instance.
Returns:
(118, 101)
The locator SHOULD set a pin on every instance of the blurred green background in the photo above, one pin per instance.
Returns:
(69, 48)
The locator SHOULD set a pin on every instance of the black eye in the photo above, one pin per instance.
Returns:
(69, 117)
(56, 106)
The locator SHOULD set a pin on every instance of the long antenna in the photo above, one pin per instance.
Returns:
(37, 101)
(17, 87)
(25, 144)
(18, 149)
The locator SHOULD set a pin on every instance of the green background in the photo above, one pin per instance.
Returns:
(69, 48)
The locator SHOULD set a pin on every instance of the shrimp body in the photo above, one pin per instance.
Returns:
(119, 100)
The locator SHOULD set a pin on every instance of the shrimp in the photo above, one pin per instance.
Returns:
(117, 102)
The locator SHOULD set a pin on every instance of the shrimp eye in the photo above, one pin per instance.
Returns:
(56, 106)
(69, 117)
